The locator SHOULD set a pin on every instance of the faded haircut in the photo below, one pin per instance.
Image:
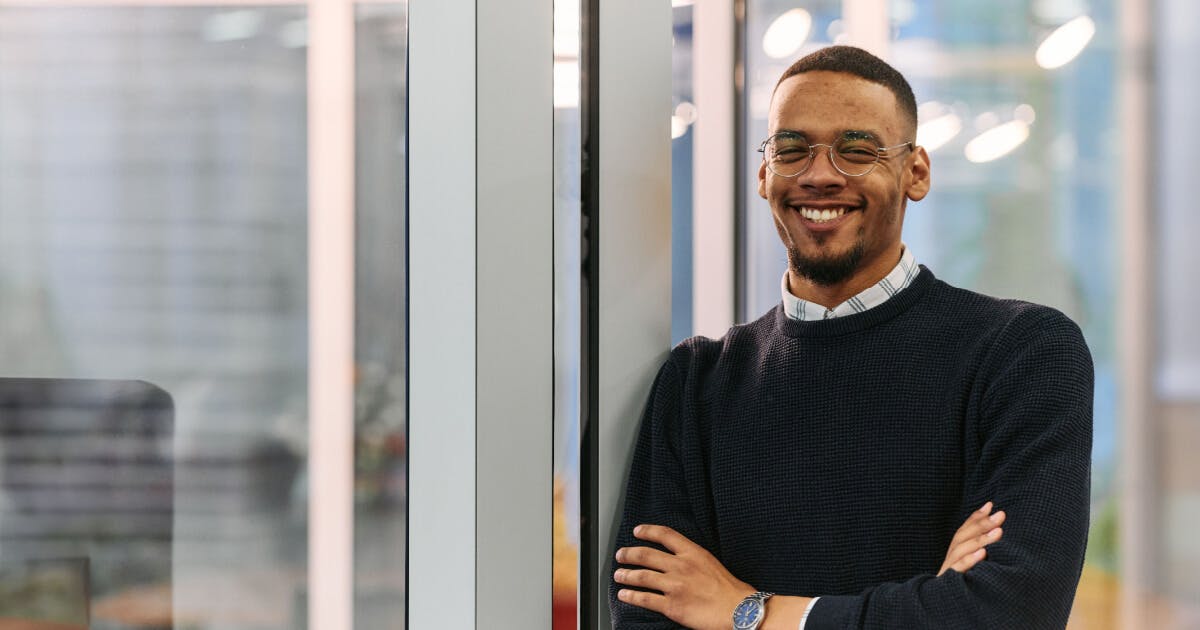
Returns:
(862, 64)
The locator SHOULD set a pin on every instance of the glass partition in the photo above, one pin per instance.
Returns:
(154, 171)
(794, 31)
(381, 427)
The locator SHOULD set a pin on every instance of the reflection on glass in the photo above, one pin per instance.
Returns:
(1174, 429)
(763, 257)
(568, 315)
(87, 491)
(683, 142)
(380, 480)
(153, 223)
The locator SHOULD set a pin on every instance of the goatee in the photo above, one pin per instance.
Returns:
(827, 270)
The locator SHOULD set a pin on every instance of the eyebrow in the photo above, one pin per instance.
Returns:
(845, 134)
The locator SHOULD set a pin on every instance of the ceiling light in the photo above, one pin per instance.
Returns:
(1065, 43)
(997, 142)
(786, 34)
(934, 133)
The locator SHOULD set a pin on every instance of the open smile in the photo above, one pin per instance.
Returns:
(824, 218)
(818, 215)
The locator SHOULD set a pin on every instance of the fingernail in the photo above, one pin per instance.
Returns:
(618, 554)
(994, 534)
(986, 507)
(995, 518)
(623, 594)
(619, 575)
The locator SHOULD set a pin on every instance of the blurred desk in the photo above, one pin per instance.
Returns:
(257, 599)
(9, 623)
(137, 607)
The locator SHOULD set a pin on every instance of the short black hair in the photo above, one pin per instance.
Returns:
(860, 63)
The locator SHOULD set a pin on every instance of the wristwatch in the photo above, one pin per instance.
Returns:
(749, 614)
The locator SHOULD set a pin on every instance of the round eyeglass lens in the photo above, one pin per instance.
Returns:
(855, 156)
(789, 156)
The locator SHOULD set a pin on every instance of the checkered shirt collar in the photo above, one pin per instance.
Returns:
(896, 281)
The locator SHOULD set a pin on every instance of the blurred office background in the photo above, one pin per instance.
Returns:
(160, 168)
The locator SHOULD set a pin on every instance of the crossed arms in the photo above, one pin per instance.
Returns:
(689, 586)
(1025, 444)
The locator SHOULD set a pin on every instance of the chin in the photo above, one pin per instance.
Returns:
(830, 269)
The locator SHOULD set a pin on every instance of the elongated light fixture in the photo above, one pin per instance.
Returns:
(934, 133)
(997, 142)
(786, 34)
(1065, 43)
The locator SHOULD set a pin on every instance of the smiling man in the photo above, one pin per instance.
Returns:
(811, 469)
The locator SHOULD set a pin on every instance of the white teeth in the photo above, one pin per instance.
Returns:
(821, 216)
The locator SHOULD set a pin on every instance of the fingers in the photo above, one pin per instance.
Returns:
(967, 562)
(642, 578)
(643, 599)
(647, 557)
(979, 530)
(978, 523)
(664, 536)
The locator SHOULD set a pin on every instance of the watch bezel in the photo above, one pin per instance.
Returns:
(759, 602)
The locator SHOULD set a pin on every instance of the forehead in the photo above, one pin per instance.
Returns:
(825, 104)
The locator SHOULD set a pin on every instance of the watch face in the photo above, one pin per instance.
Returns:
(747, 613)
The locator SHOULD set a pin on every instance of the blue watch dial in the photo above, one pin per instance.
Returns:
(747, 613)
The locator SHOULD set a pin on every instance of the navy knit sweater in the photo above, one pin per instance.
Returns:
(837, 458)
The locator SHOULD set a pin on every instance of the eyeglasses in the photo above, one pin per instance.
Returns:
(788, 154)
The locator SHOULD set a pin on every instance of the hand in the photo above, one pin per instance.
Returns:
(968, 546)
(694, 588)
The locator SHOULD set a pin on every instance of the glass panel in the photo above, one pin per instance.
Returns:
(153, 217)
(381, 429)
(682, 146)
(568, 314)
(763, 257)
(1175, 427)
(1036, 222)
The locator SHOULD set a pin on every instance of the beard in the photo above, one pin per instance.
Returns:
(827, 270)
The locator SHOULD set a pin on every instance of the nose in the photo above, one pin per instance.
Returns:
(821, 176)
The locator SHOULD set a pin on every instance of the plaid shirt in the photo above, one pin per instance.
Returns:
(896, 281)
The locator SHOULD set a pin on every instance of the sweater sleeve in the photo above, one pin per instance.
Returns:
(661, 489)
(1032, 433)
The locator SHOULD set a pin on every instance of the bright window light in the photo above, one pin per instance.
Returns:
(566, 84)
(787, 34)
(566, 29)
(1065, 43)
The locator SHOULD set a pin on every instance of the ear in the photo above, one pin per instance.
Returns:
(762, 179)
(917, 175)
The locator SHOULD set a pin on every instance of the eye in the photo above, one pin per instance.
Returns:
(789, 150)
(790, 153)
(860, 151)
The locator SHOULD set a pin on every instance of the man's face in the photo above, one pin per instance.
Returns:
(861, 242)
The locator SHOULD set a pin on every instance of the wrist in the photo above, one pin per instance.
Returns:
(784, 612)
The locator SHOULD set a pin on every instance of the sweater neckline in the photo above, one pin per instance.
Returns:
(847, 324)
